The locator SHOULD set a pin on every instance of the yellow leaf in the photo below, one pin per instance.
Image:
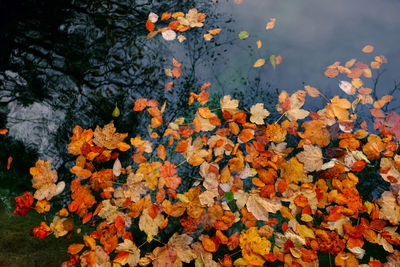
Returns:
(260, 62)
(207, 36)
(304, 231)
(306, 218)
(258, 113)
(149, 237)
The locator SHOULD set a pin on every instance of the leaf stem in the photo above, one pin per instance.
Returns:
(181, 163)
(283, 114)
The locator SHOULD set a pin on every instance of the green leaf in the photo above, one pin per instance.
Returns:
(243, 35)
(273, 61)
(116, 112)
(228, 196)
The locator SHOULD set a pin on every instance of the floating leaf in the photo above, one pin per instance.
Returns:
(243, 35)
(271, 24)
(169, 35)
(368, 49)
(116, 112)
(260, 62)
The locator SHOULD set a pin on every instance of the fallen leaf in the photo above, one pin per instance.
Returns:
(368, 49)
(9, 160)
(260, 62)
(311, 91)
(258, 113)
(311, 157)
(169, 35)
(271, 24)
(243, 35)
(260, 207)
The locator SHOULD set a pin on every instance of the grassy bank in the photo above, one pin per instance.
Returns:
(19, 249)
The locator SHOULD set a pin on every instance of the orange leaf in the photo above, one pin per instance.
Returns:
(87, 218)
(271, 24)
(149, 25)
(156, 122)
(311, 91)
(173, 25)
(259, 44)
(89, 242)
(75, 248)
(182, 145)
(215, 31)
(246, 135)
(225, 175)
(9, 160)
(176, 71)
(368, 49)
(377, 113)
(205, 112)
(168, 85)
(123, 146)
(278, 60)
(301, 201)
(196, 160)
(140, 104)
(208, 244)
(176, 63)
(166, 16)
(80, 172)
(331, 72)
(3, 131)
(161, 152)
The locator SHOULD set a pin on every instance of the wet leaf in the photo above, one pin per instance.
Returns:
(271, 24)
(260, 62)
(243, 35)
(368, 49)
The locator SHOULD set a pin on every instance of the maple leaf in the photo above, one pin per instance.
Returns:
(150, 225)
(108, 211)
(107, 136)
(253, 246)
(390, 209)
(311, 157)
(338, 108)
(260, 206)
(43, 180)
(293, 171)
(229, 105)
(61, 226)
(23, 203)
(291, 106)
(132, 255)
(164, 256)
(180, 243)
(258, 113)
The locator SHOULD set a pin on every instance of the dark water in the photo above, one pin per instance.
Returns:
(69, 62)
